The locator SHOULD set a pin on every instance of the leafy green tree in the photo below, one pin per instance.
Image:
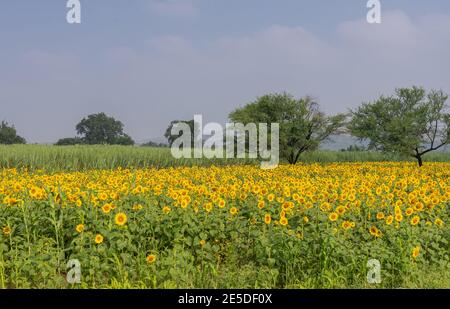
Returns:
(69, 141)
(124, 140)
(302, 125)
(353, 148)
(410, 122)
(8, 135)
(172, 137)
(102, 129)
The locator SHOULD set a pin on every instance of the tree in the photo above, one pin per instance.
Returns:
(69, 141)
(353, 148)
(8, 135)
(102, 129)
(410, 122)
(124, 140)
(172, 137)
(154, 145)
(302, 125)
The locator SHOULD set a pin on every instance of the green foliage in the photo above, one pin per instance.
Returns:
(8, 135)
(124, 140)
(410, 122)
(102, 129)
(68, 141)
(302, 125)
(173, 125)
(154, 144)
(354, 148)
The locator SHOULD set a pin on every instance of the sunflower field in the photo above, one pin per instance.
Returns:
(303, 226)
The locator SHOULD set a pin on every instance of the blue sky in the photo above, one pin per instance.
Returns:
(148, 62)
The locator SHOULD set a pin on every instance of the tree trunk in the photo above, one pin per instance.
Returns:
(291, 158)
(419, 160)
(297, 157)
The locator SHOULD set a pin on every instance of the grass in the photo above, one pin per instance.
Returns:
(79, 158)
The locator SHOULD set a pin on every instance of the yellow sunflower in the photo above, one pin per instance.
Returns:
(80, 228)
(233, 211)
(151, 258)
(284, 221)
(267, 219)
(6, 230)
(415, 252)
(333, 216)
(415, 220)
(120, 219)
(98, 239)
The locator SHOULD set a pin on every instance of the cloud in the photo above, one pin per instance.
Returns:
(360, 63)
(174, 78)
(171, 45)
(396, 31)
(176, 8)
(398, 52)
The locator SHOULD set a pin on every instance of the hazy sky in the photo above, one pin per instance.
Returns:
(148, 62)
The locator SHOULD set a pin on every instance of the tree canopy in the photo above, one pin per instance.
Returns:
(410, 122)
(154, 144)
(8, 134)
(302, 125)
(102, 129)
(69, 141)
(172, 137)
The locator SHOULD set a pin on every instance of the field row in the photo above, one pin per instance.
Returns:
(82, 158)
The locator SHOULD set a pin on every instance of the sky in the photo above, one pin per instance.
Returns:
(147, 62)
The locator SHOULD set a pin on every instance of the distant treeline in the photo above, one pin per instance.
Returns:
(409, 123)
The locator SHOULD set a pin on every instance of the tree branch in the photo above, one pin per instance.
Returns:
(431, 149)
